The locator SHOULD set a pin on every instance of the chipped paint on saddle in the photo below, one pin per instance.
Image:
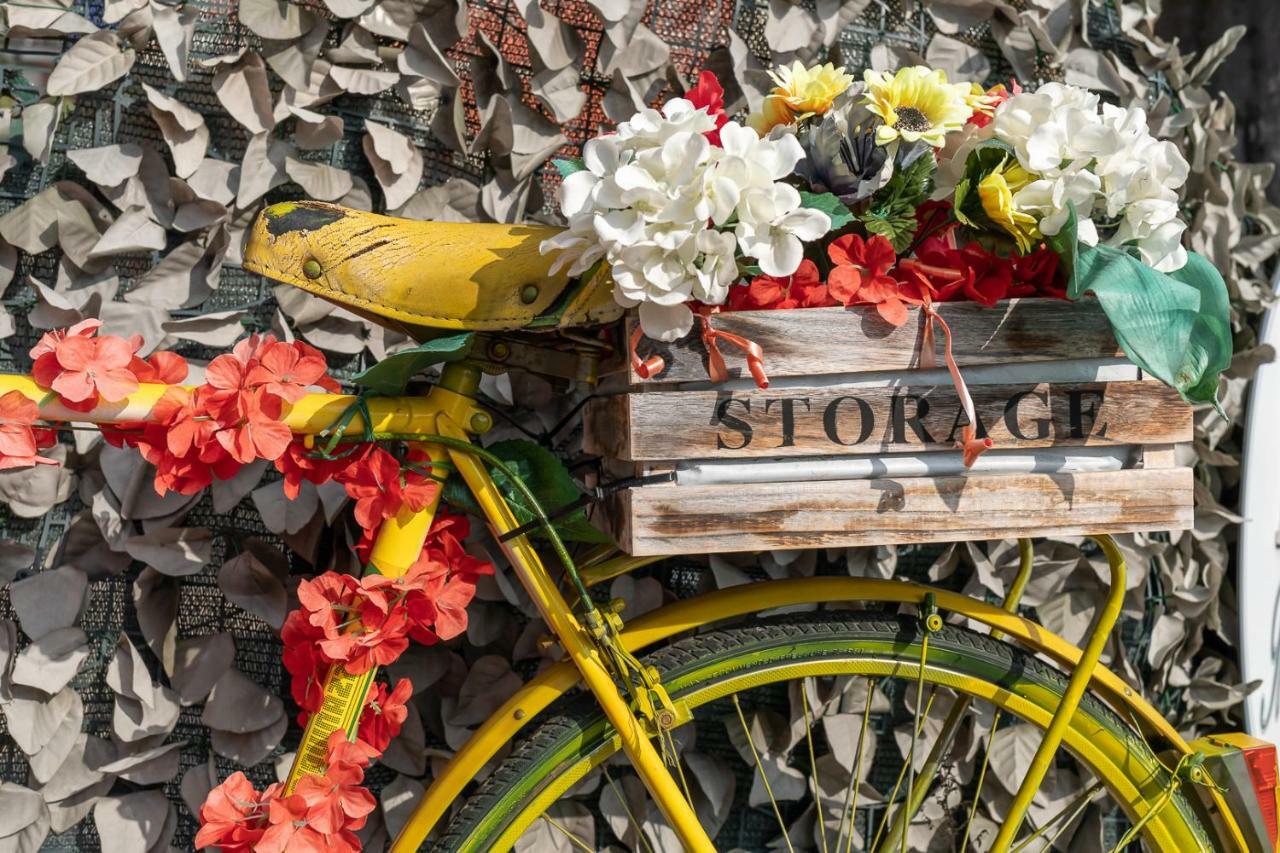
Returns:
(437, 274)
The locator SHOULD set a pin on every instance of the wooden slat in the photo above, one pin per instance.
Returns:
(655, 520)
(825, 341)
(849, 419)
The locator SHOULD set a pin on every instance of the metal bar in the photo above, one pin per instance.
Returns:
(1100, 632)
(580, 648)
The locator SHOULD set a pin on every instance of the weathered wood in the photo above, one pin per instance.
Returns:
(657, 520)
(850, 419)
(826, 341)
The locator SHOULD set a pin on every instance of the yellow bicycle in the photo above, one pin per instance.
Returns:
(711, 666)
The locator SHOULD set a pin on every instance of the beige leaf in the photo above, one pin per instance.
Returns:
(174, 27)
(320, 180)
(45, 22)
(244, 92)
(555, 43)
(249, 748)
(198, 664)
(262, 169)
(390, 18)
(1011, 750)
(275, 19)
(198, 214)
(488, 684)
(561, 91)
(23, 808)
(46, 762)
(75, 774)
(197, 782)
(155, 601)
(215, 180)
(248, 583)
(56, 308)
(397, 162)
(175, 551)
(117, 10)
(91, 63)
(135, 823)
(49, 663)
(362, 81)
(282, 515)
(295, 60)
(127, 318)
(239, 705)
(180, 280)
(49, 600)
(109, 165)
(216, 329)
(145, 763)
(422, 58)
(38, 123)
(183, 129)
(34, 718)
(961, 61)
(132, 232)
(316, 135)
(348, 8)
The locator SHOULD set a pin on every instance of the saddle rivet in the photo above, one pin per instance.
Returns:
(311, 269)
(528, 293)
(481, 422)
(500, 350)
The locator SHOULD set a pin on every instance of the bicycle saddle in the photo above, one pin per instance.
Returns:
(429, 275)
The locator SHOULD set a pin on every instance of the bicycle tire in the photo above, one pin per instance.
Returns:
(575, 733)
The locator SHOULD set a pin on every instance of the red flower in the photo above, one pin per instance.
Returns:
(384, 714)
(969, 272)
(708, 93)
(288, 369)
(84, 369)
(861, 275)
(258, 432)
(231, 818)
(451, 607)
(304, 662)
(1036, 274)
(20, 441)
(163, 368)
(329, 602)
(801, 289)
(374, 484)
(289, 832)
(298, 463)
(381, 639)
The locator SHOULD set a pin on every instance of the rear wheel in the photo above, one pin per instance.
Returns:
(836, 672)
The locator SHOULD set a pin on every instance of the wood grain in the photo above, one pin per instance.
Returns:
(825, 341)
(659, 520)
(856, 420)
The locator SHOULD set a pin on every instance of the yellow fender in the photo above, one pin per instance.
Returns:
(552, 683)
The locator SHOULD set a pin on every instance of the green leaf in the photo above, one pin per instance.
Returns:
(549, 480)
(828, 204)
(568, 167)
(897, 226)
(1064, 244)
(1176, 327)
(392, 374)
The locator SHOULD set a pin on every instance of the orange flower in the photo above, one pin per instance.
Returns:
(20, 442)
(84, 369)
(861, 275)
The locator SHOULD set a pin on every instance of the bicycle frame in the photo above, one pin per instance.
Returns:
(450, 410)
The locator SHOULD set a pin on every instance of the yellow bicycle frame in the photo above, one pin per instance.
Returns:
(450, 410)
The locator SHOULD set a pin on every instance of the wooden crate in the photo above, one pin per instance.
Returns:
(853, 444)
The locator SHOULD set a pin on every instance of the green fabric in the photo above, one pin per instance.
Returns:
(1176, 326)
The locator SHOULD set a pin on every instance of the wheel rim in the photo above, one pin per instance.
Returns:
(1133, 777)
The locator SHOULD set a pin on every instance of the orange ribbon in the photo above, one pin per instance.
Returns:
(716, 368)
(644, 368)
(969, 443)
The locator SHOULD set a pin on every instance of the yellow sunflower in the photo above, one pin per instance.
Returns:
(917, 103)
(799, 93)
(996, 191)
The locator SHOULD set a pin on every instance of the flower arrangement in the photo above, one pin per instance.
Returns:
(898, 192)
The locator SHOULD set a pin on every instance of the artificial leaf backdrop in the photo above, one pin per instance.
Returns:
(139, 663)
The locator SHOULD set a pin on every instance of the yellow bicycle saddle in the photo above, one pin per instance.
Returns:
(432, 275)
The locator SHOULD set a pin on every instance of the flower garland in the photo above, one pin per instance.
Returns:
(198, 433)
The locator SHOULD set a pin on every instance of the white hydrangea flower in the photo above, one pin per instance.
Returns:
(1106, 163)
(656, 199)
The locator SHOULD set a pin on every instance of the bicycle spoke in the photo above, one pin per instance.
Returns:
(982, 778)
(813, 761)
(1074, 808)
(902, 774)
(622, 799)
(572, 836)
(851, 795)
(764, 777)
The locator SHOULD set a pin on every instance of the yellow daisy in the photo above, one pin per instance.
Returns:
(996, 191)
(917, 103)
(799, 93)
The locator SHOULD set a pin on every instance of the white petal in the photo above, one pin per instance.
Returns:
(665, 322)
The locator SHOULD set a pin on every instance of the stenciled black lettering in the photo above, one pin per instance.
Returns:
(788, 417)
(831, 420)
(1011, 416)
(899, 420)
(962, 420)
(1076, 411)
(733, 422)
